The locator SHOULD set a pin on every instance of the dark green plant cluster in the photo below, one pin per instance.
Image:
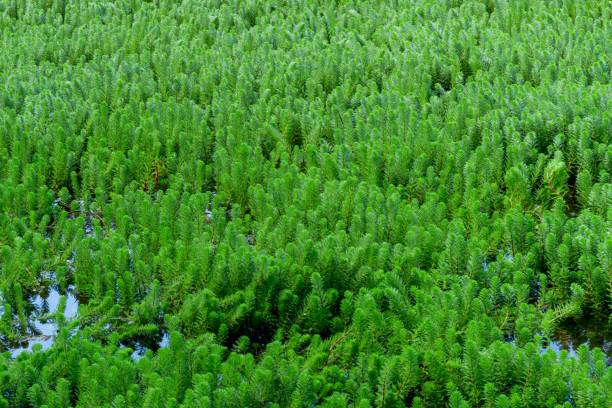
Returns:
(273, 203)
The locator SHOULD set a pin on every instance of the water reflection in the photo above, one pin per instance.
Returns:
(572, 334)
(42, 325)
(140, 345)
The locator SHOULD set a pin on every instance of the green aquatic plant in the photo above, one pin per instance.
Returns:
(306, 203)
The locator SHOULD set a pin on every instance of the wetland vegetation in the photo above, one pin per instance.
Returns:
(330, 203)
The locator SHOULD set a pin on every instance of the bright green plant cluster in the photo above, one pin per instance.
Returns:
(275, 203)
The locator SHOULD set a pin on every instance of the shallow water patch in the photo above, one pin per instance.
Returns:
(140, 345)
(42, 322)
(571, 335)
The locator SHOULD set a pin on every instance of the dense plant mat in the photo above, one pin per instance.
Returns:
(305, 203)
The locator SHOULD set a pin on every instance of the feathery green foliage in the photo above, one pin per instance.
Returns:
(304, 203)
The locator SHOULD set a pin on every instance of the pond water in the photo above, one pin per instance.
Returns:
(153, 343)
(570, 335)
(43, 329)
(42, 326)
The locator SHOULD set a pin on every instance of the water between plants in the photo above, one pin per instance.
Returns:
(44, 329)
(571, 335)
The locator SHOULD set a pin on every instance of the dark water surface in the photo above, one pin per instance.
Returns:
(153, 343)
(571, 335)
